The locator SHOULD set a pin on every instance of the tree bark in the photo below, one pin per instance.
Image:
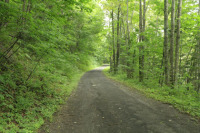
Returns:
(37, 63)
(134, 53)
(165, 52)
(28, 9)
(176, 72)
(118, 44)
(140, 38)
(110, 51)
(141, 48)
(23, 10)
(144, 18)
(171, 54)
(9, 49)
(113, 37)
(198, 58)
(129, 72)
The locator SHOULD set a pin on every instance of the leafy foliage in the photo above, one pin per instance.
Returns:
(185, 100)
(170, 74)
(45, 46)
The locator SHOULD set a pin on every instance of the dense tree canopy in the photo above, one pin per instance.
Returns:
(159, 40)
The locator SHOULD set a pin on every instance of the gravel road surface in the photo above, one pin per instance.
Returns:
(100, 105)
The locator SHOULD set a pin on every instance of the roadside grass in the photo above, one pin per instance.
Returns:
(25, 107)
(185, 100)
(32, 108)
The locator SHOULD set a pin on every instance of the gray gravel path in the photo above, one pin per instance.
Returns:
(100, 105)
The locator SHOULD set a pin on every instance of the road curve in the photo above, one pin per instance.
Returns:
(100, 105)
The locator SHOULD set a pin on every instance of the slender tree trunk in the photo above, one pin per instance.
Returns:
(118, 44)
(24, 5)
(144, 18)
(140, 38)
(134, 53)
(129, 73)
(141, 48)
(23, 10)
(171, 54)
(113, 37)
(143, 39)
(111, 63)
(9, 49)
(28, 9)
(165, 51)
(176, 72)
(110, 51)
(14, 52)
(37, 63)
(198, 58)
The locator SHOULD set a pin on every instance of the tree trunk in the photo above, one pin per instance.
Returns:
(144, 18)
(28, 9)
(110, 51)
(129, 72)
(113, 37)
(198, 58)
(134, 53)
(118, 44)
(165, 51)
(140, 38)
(4, 54)
(141, 48)
(171, 54)
(176, 72)
(111, 63)
(23, 10)
(37, 63)
(143, 39)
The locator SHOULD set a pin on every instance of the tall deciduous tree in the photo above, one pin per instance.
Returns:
(142, 23)
(113, 40)
(165, 50)
(176, 70)
(128, 45)
(168, 57)
(141, 47)
(118, 35)
(171, 55)
(199, 53)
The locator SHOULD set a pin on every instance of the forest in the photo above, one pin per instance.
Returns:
(155, 47)
(47, 45)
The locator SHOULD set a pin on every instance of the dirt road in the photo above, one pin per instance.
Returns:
(100, 105)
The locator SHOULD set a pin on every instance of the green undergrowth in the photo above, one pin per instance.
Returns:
(29, 109)
(182, 98)
(26, 104)
(45, 47)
